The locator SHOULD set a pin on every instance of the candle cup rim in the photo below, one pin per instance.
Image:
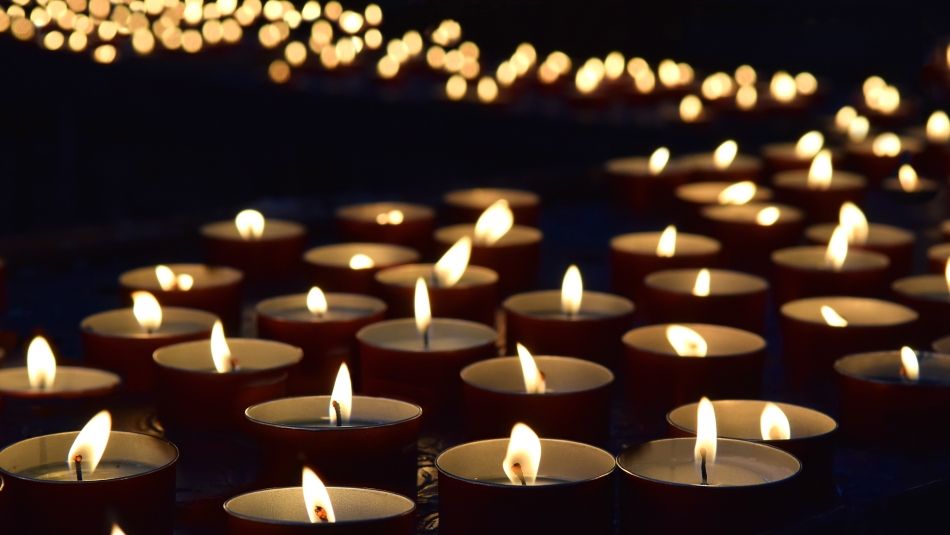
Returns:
(912, 315)
(285, 363)
(511, 303)
(761, 342)
(882, 262)
(413, 212)
(235, 277)
(685, 192)
(115, 381)
(193, 314)
(518, 236)
(703, 162)
(925, 185)
(789, 215)
(901, 287)
(278, 522)
(712, 488)
(485, 329)
(820, 233)
(520, 198)
(404, 254)
(379, 307)
(541, 358)
(909, 144)
(841, 362)
(416, 415)
(712, 246)
(293, 230)
(779, 150)
(176, 454)
(761, 285)
(797, 179)
(616, 166)
(491, 274)
(773, 442)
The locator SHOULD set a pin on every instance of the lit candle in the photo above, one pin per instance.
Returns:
(908, 186)
(257, 246)
(895, 243)
(387, 222)
(929, 295)
(792, 156)
(935, 157)
(646, 183)
(821, 189)
(698, 195)
(880, 156)
(351, 267)
(751, 232)
(467, 205)
(724, 164)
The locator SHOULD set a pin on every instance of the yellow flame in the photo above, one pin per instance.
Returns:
(745, 75)
(316, 301)
(422, 308)
(166, 277)
(837, 251)
(658, 160)
(809, 144)
(343, 396)
(946, 274)
(523, 456)
(706, 435)
(250, 224)
(858, 129)
(686, 342)
(725, 154)
(768, 216)
(666, 247)
(40, 364)
(91, 443)
(886, 144)
(391, 217)
(888, 100)
(831, 317)
(361, 261)
(220, 351)
(854, 221)
(572, 291)
(806, 83)
(783, 87)
(450, 268)
(908, 178)
(316, 498)
(747, 97)
(690, 107)
(494, 223)
(147, 311)
(821, 171)
(843, 118)
(184, 282)
(738, 193)
(910, 367)
(703, 283)
(669, 73)
(533, 378)
(774, 424)
(938, 127)
(116, 530)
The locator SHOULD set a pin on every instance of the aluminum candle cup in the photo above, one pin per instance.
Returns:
(515, 257)
(115, 341)
(333, 267)
(134, 486)
(703, 168)
(359, 511)
(535, 320)
(747, 243)
(810, 345)
(274, 255)
(466, 205)
(937, 257)
(801, 272)
(376, 449)
(658, 482)
(879, 408)
(216, 289)
(474, 297)
(862, 158)
(812, 440)
(734, 299)
(476, 497)
(395, 363)
(895, 243)
(929, 295)
(820, 204)
(387, 222)
(192, 394)
(658, 379)
(327, 339)
(574, 406)
(633, 257)
(640, 190)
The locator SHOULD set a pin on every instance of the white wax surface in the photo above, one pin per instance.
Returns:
(858, 311)
(747, 213)
(175, 321)
(885, 367)
(866, 147)
(107, 469)
(540, 481)
(485, 197)
(878, 234)
(302, 314)
(813, 258)
(368, 212)
(721, 282)
(406, 276)
(640, 166)
(339, 255)
(274, 229)
(645, 243)
(939, 252)
(204, 276)
(704, 162)
(547, 304)
(840, 180)
(740, 419)
(724, 472)
(69, 379)
(708, 192)
(444, 335)
(518, 235)
(929, 287)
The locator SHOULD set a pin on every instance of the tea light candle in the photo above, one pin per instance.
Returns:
(570, 321)
(697, 195)
(315, 507)
(351, 267)
(672, 364)
(942, 345)
(209, 385)
(374, 446)
(889, 399)
(324, 326)
(818, 330)
(634, 256)
(821, 190)
(456, 289)
(646, 183)
(258, 247)
(420, 359)
(512, 251)
(124, 340)
(560, 397)
(937, 257)
(477, 496)
(706, 296)
(809, 271)
(879, 156)
(895, 243)
(723, 164)
(216, 289)
(809, 435)
(467, 205)
(908, 187)
(749, 233)
(793, 156)
(929, 295)
(935, 157)
(128, 478)
(387, 222)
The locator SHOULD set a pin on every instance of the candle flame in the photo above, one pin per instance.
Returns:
(783, 87)
(831, 317)
(843, 118)
(343, 396)
(858, 129)
(837, 251)
(725, 154)
(317, 301)
(908, 178)
(533, 378)
(738, 193)
(666, 247)
(821, 171)
(316, 498)
(691, 108)
(768, 216)
(361, 261)
(938, 127)
(116, 530)
(166, 277)
(886, 145)
(910, 367)
(40, 364)
(809, 144)
(658, 160)
(572, 291)
(250, 224)
(220, 351)
(523, 456)
(147, 311)
(494, 223)
(91, 443)
(392, 217)
(706, 436)
(450, 268)
(686, 342)
(854, 221)
(422, 308)
(747, 97)
(702, 284)
(774, 424)
(184, 282)
(946, 274)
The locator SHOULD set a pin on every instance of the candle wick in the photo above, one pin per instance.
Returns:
(425, 339)
(702, 468)
(78, 460)
(321, 513)
(233, 364)
(516, 468)
(339, 413)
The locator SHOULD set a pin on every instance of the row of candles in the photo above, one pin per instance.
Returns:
(443, 366)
